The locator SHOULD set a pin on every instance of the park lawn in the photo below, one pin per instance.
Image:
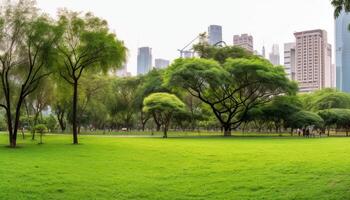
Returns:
(176, 168)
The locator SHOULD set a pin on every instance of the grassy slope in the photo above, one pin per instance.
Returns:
(192, 168)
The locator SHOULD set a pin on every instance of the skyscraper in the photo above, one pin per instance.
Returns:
(144, 60)
(275, 55)
(245, 41)
(289, 60)
(161, 63)
(313, 60)
(342, 47)
(214, 34)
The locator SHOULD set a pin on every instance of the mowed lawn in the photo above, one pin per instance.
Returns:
(176, 168)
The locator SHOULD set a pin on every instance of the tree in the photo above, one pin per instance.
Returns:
(123, 99)
(325, 99)
(231, 89)
(280, 109)
(27, 52)
(221, 54)
(340, 6)
(303, 119)
(38, 101)
(336, 117)
(163, 106)
(150, 83)
(41, 129)
(86, 45)
(61, 103)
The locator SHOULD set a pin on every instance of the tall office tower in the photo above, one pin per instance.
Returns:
(144, 60)
(214, 34)
(275, 55)
(342, 47)
(313, 60)
(161, 63)
(289, 60)
(245, 41)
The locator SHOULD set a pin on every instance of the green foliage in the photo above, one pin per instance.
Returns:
(325, 99)
(88, 40)
(162, 106)
(220, 54)
(40, 128)
(303, 119)
(338, 117)
(231, 89)
(162, 102)
(339, 6)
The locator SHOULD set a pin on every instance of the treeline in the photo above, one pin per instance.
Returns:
(54, 76)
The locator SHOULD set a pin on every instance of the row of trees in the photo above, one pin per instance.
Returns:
(33, 46)
(60, 66)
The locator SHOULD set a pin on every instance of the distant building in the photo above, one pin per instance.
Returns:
(342, 48)
(245, 41)
(187, 54)
(122, 72)
(214, 34)
(161, 63)
(263, 52)
(289, 60)
(313, 60)
(144, 60)
(275, 55)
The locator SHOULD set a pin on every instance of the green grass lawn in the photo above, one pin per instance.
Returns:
(176, 168)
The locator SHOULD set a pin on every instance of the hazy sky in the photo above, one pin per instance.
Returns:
(168, 25)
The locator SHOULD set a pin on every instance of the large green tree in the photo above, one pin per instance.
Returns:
(86, 45)
(27, 41)
(230, 89)
(163, 106)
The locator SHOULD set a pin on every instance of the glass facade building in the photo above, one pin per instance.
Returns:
(342, 45)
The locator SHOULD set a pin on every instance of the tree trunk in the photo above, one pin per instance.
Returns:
(33, 134)
(165, 132)
(227, 130)
(9, 125)
(60, 118)
(328, 131)
(17, 116)
(75, 107)
(158, 127)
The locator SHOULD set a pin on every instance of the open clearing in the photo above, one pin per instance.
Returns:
(176, 168)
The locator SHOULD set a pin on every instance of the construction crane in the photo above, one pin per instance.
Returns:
(190, 52)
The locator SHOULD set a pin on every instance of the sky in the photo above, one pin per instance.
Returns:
(168, 25)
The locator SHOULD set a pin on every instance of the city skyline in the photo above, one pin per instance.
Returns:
(268, 23)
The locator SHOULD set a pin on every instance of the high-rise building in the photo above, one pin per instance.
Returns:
(313, 60)
(161, 63)
(342, 47)
(245, 41)
(275, 55)
(289, 60)
(214, 34)
(144, 60)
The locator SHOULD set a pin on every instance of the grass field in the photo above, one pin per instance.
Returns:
(176, 168)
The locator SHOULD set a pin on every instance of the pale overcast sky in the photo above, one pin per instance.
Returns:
(168, 25)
